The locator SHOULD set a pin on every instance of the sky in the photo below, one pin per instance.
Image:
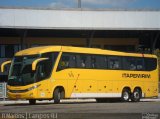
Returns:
(99, 4)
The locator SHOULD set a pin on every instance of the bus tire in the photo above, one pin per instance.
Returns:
(125, 95)
(58, 95)
(32, 101)
(136, 95)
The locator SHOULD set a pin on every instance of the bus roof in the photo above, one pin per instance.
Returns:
(38, 50)
(44, 49)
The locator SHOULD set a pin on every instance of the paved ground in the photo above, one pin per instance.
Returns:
(84, 107)
(79, 109)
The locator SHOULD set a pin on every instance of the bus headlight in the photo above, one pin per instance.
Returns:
(25, 90)
(33, 87)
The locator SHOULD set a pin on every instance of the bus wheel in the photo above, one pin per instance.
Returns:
(136, 95)
(58, 95)
(125, 95)
(32, 101)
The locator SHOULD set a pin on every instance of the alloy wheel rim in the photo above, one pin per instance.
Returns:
(126, 96)
(136, 95)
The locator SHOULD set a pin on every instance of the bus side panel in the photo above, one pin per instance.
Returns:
(60, 79)
(85, 83)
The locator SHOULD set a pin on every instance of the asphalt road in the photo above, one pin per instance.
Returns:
(80, 110)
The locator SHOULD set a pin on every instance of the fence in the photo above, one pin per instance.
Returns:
(3, 91)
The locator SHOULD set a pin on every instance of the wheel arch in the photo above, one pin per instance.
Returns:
(138, 87)
(61, 89)
(126, 87)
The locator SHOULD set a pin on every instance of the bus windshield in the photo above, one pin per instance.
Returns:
(21, 72)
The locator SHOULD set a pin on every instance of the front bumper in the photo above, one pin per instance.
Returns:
(27, 95)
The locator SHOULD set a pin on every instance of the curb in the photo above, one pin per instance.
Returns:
(47, 101)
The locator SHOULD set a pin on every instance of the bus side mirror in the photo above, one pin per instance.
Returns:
(3, 65)
(35, 62)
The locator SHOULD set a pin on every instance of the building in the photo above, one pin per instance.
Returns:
(123, 30)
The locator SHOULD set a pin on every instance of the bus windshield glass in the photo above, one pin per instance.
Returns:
(21, 72)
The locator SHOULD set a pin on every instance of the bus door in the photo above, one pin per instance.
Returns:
(41, 79)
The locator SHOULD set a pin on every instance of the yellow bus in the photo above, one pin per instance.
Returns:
(62, 72)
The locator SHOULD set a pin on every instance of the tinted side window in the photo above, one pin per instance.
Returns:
(99, 62)
(114, 62)
(150, 64)
(73, 60)
(83, 61)
(139, 64)
(67, 60)
(129, 63)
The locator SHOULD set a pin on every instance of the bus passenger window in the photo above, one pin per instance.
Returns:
(64, 62)
(140, 64)
(132, 63)
(83, 65)
(98, 62)
(72, 61)
(67, 60)
(93, 62)
(114, 63)
(101, 62)
(132, 67)
(150, 64)
(105, 62)
(129, 63)
(84, 61)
